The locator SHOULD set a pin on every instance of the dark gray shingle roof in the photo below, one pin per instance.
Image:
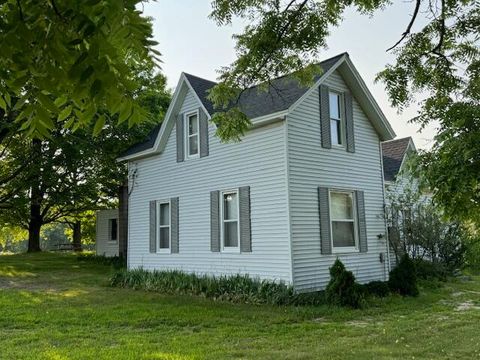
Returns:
(281, 94)
(254, 102)
(393, 153)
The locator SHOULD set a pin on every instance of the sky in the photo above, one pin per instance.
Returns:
(191, 42)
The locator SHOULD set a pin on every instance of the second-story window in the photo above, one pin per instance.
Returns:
(336, 118)
(192, 134)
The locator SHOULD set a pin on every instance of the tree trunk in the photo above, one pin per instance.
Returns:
(77, 236)
(36, 197)
(34, 228)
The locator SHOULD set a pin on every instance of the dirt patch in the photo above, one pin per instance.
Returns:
(24, 284)
(467, 305)
(360, 324)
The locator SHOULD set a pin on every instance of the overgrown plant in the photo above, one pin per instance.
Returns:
(403, 278)
(342, 290)
(236, 288)
(419, 228)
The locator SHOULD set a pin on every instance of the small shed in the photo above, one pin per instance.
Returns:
(107, 233)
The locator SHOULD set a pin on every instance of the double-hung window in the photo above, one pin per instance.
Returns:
(192, 141)
(163, 221)
(230, 221)
(336, 118)
(343, 220)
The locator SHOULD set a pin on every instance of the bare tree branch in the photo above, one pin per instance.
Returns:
(409, 27)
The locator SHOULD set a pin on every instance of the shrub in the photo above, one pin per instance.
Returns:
(377, 288)
(237, 288)
(428, 270)
(403, 279)
(342, 289)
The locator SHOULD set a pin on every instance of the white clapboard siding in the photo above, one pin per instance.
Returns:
(310, 166)
(103, 245)
(258, 161)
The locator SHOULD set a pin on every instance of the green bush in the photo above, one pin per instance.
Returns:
(403, 279)
(377, 288)
(428, 270)
(236, 288)
(342, 290)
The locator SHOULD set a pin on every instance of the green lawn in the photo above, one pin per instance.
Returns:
(56, 307)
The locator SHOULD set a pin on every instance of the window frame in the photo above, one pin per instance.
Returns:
(110, 227)
(341, 100)
(158, 204)
(187, 135)
(344, 249)
(229, 249)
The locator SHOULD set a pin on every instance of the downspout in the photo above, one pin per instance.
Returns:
(384, 219)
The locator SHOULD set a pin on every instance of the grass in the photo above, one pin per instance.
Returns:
(56, 307)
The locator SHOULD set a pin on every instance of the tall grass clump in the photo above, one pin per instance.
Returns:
(235, 288)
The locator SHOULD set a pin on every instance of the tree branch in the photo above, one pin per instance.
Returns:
(20, 10)
(409, 27)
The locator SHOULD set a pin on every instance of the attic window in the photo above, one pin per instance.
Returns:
(336, 118)
(192, 134)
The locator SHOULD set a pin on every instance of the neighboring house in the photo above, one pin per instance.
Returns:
(107, 234)
(401, 189)
(398, 179)
(303, 187)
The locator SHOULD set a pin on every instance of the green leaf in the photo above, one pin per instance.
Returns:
(86, 73)
(44, 118)
(8, 99)
(65, 113)
(96, 88)
(60, 101)
(3, 104)
(125, 112)
(99, 125)
(47, 102)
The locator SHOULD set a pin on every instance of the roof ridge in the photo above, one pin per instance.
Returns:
(399, 139)
(277, 78)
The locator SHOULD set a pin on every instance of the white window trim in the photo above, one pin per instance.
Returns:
(187, 136)
(341, 99)
(229, 249)
(158, 226)
(344, 249)
(110, 241)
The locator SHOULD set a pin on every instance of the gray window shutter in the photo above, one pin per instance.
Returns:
(153, 226)
(324, 210)
(325, 116)
(362, 224)
(203, 124)
(174, 225)
(349, 122)
(245, 223)
(215, 221)
(180, 138)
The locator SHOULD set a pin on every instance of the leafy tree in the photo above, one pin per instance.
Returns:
(64, 61)
(71, 171)
(440, 61)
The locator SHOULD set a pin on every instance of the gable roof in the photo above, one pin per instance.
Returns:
(394, 152)
(283, 95)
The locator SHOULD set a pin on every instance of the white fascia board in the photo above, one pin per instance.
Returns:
(390, 134)
(154, 148)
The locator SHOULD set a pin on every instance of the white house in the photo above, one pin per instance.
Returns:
(107, 234)
(303, 187)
